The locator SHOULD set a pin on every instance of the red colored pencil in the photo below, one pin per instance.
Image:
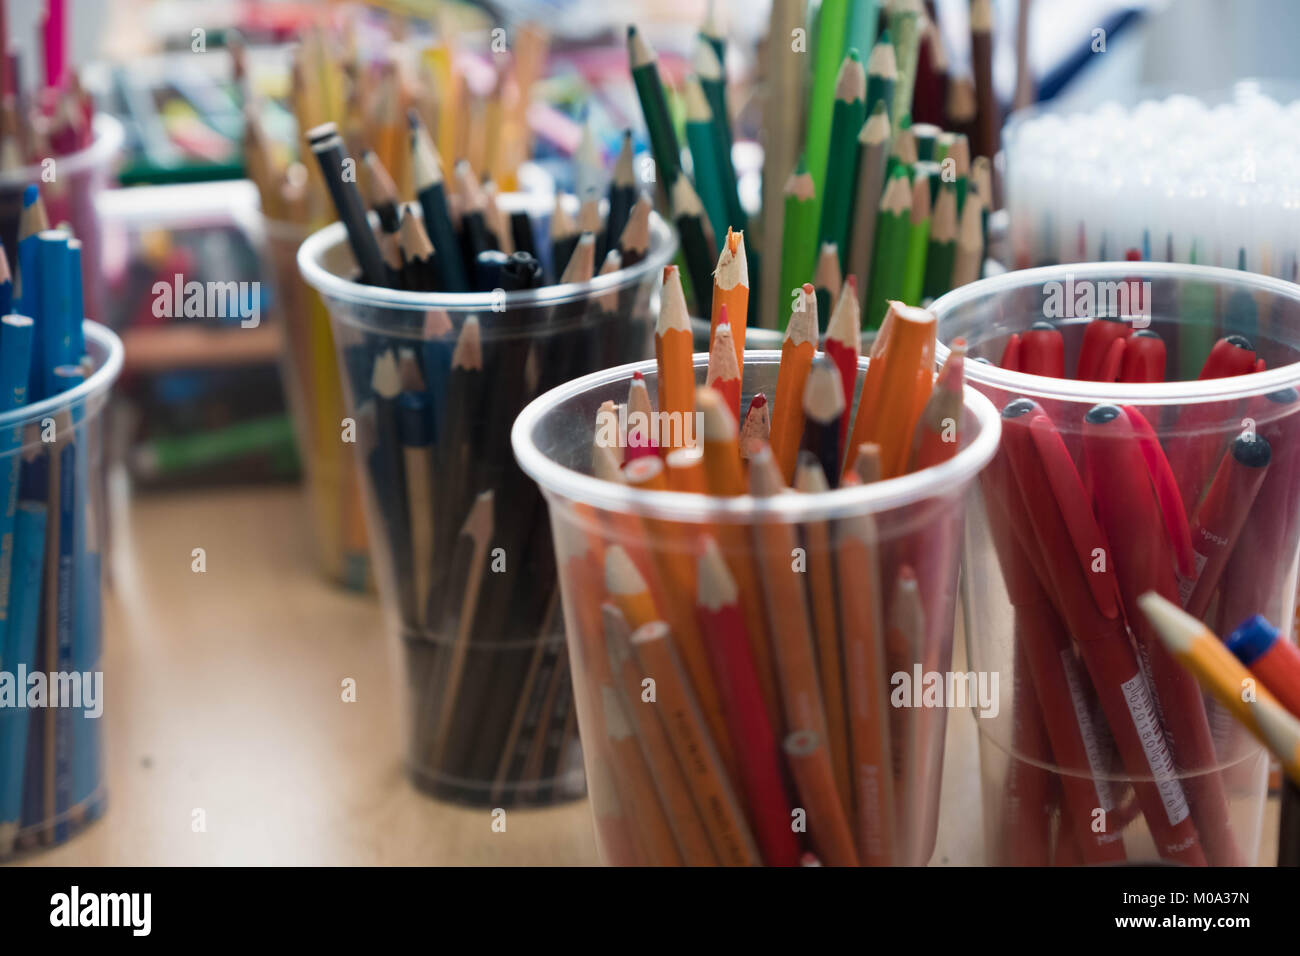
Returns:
(844, 344)
(723, 624)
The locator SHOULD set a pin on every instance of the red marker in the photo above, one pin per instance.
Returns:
(1144, 358)
(1098, 336)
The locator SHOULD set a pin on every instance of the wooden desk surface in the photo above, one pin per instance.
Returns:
(223, 693)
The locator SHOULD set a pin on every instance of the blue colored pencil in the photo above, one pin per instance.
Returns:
(20, 651)
(77, 305)
(52, 326)
(15, 362)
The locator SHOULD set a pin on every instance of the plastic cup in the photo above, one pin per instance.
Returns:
(68, 189)
(650, 802)
(1219, 534)
(458, 539)
(51, 757)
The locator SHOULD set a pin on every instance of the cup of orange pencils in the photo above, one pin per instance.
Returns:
(753, 613)
(460, 546)
(1115, 478)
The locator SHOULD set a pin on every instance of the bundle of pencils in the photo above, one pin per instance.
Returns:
(1090, 508)
(50, 533)
(768, 644)
(888, 199)
(1174, 180)
(459, 531)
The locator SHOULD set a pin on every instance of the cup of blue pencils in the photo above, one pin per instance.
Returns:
(55, 376)
(461, 548)
(1120, 474)
(753, 618)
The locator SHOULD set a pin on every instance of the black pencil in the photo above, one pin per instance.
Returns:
(431, 192)
(347, 200)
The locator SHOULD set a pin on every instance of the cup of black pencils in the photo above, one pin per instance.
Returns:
(69, 182)
(433, 379)
(1119, 474)
(52, 688)
(750, 650)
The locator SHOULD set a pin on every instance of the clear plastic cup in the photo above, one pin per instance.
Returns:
(1064, 780)
(486, 696)
(657, 770)
(51, 757)
(68, 189)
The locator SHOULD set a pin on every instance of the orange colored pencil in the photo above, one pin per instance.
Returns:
(731, 289)
(673, 346)
(866, 688)
(787, 607)
(810, 479)
(797, 353)
(670, 785)
(827, 822)
(890, 420)
(686, 470)
(938, 429)
(676, 707)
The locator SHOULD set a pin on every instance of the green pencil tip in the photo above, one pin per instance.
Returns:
(800, 167)
(854, 55)
(883, 38)
(880, 107)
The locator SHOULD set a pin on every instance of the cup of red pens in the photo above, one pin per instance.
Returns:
(1115, 478)
(739, 649)
(458, 537)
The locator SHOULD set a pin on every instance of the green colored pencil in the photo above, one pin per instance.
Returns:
(905, 28)
(918, 242)
(702, 140)
(942, 144)
(828, 51)
(842, 164)
(697, 252)
(892, 229)
(654, 104)
(903, 147)
(799, 238)
(959, 153)
(925, 134)
(882, 75)
(943, 244)
(873, 145)
(863, 20)
(713, 82)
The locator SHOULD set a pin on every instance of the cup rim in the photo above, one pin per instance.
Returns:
(871, 499)
(1118, 393)
(663, 248)
(108, 140)
(99, 380)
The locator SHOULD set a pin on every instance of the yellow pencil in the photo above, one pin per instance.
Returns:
(1219, 672)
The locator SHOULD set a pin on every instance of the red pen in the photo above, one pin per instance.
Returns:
(1220, 517)
(1129, 514)
(1058, 681)
(1144, 358)
(1011, 354)
(1253, 581)
(1084, 585)
(1098, 337)
(1231, 355)
(1042, 351)
(1166, 489)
